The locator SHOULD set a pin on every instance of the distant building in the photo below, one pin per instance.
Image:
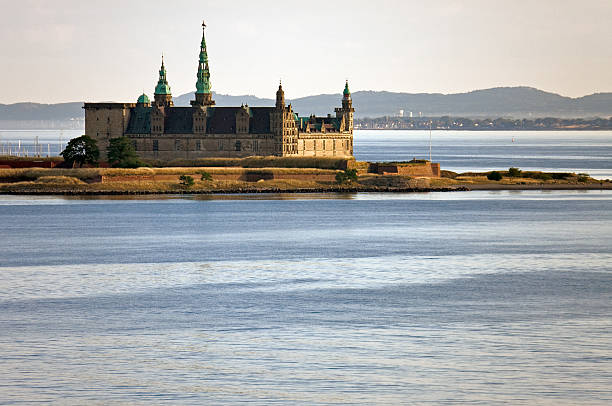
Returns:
(159, 130)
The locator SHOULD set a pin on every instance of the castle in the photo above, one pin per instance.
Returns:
(159, 130)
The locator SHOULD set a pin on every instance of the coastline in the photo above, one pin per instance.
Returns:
(305, 190)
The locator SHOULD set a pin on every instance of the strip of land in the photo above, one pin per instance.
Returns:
(209, 180)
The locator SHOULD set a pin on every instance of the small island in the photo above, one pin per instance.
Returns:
(269, 175)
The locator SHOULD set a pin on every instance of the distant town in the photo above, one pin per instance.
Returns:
(464, 123)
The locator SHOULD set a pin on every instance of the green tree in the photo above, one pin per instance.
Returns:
(186, 180)
(205, 176)
(81, 150)
(494, 176)
(514, 172)
(121, 153)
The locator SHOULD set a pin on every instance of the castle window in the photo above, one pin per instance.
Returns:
(198, 145)
(177, 145)
(135, 145)
(238, 145)
(155, 145)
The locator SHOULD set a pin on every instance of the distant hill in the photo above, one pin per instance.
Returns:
(518, 102)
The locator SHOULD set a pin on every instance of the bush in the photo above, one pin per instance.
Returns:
(583, 177)
(494, 176)
(543, 176)
(514, 172)
(205, 176)
(348, 176)
(186, 180)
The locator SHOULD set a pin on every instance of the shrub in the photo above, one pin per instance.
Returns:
(543, 176)
(186, 180)
(205, 176)
(494, 176)
(348, 176)
(583, 177)
(514, 172)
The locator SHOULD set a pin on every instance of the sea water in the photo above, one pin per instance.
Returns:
(436, 298)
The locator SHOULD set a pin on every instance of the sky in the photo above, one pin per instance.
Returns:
(65, 50)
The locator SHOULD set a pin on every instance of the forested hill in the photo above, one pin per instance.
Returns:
(518, 102)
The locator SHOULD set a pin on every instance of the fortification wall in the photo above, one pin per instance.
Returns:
(325, 145)
(425, 169)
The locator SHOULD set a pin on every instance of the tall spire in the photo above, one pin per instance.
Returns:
(203, 83)
(347, 92)
(162, 84)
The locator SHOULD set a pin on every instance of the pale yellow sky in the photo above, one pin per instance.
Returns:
(66, 50)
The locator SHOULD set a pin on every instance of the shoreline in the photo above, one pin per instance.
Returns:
(357, 189)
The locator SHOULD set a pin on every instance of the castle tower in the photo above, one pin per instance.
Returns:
(280, 97)
(347, 110)
(163, 96)
(203, 94)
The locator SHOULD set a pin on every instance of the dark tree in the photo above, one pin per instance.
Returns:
(81, 150)
(514, 172)
(186, 180)
(494, 176)
(121, 153)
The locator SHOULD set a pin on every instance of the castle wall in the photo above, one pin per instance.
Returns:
(191, 146)
(425, 169)
(325, 144)
(104, 121)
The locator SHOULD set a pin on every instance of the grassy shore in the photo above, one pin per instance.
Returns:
(216, 180)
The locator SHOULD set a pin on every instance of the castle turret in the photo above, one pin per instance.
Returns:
(346, 112)
(203, 94)
(347, 102)
(163, 96)
(280, 97)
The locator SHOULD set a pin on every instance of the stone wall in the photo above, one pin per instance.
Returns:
(104, 121)
(425, 169)
(191, 146)
(325, 144)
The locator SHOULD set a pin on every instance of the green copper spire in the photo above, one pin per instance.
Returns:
(203, 83)
(162, 84)
(347, 92)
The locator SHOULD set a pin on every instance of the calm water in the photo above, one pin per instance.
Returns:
(442, 298)
(461, 151)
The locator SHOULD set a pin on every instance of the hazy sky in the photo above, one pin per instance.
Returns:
(64, 50)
